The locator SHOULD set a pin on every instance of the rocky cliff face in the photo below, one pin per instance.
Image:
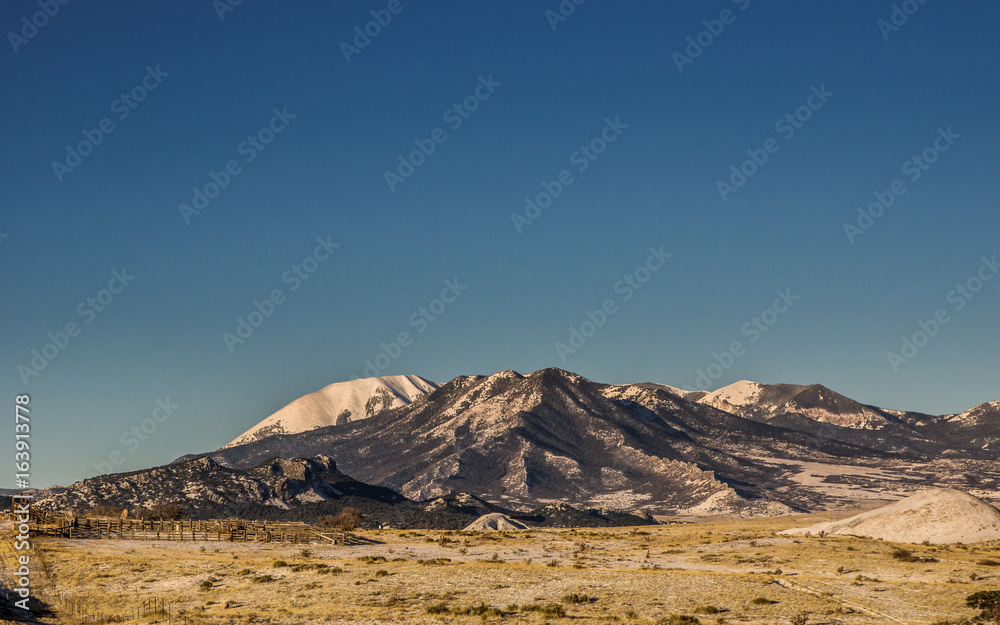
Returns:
(204, 488)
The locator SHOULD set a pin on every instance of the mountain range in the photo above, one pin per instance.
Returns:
(554, 437)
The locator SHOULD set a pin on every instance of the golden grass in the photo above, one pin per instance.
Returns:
(711, 570)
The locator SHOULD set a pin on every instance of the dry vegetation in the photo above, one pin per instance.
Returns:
(735, 571)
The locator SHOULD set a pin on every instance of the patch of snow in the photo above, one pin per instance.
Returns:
(973, 415)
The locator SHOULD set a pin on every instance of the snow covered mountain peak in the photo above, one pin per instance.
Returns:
(736, 394)
(339, 403)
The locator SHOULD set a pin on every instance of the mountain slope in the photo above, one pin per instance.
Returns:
(819, 411)
(340, 403)
(207, 490)
(974, 433)
(757, 401)
(299, 489)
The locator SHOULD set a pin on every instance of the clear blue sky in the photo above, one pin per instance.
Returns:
(544, 93)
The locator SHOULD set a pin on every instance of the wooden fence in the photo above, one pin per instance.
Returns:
(100, 613)
(228, 530)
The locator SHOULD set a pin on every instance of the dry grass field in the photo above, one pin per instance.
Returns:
(728, 571)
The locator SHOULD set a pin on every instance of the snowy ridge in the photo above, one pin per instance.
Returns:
(338, 403)
(736, 394)
(978, 414)
(763, 402)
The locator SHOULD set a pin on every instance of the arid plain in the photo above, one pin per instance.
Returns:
(716, 571)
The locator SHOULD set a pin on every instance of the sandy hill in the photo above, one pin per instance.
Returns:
(339, 403)
(494, 522)
(937, 515)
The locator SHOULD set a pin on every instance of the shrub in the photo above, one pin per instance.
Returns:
(707, 609)
(206, 585)
(381, 573)
(988, 562)
(680, 619)
(552, 610)
(437, 608)
(279, 563)
(261, 579)
(243, 572)
(761, 601)
(904, 555)
(988, 601)
(482, 610)
(575, 598)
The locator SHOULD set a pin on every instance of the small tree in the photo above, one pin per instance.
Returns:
(104, 511)
(162, 511)
(348, 519)
(988, 601)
